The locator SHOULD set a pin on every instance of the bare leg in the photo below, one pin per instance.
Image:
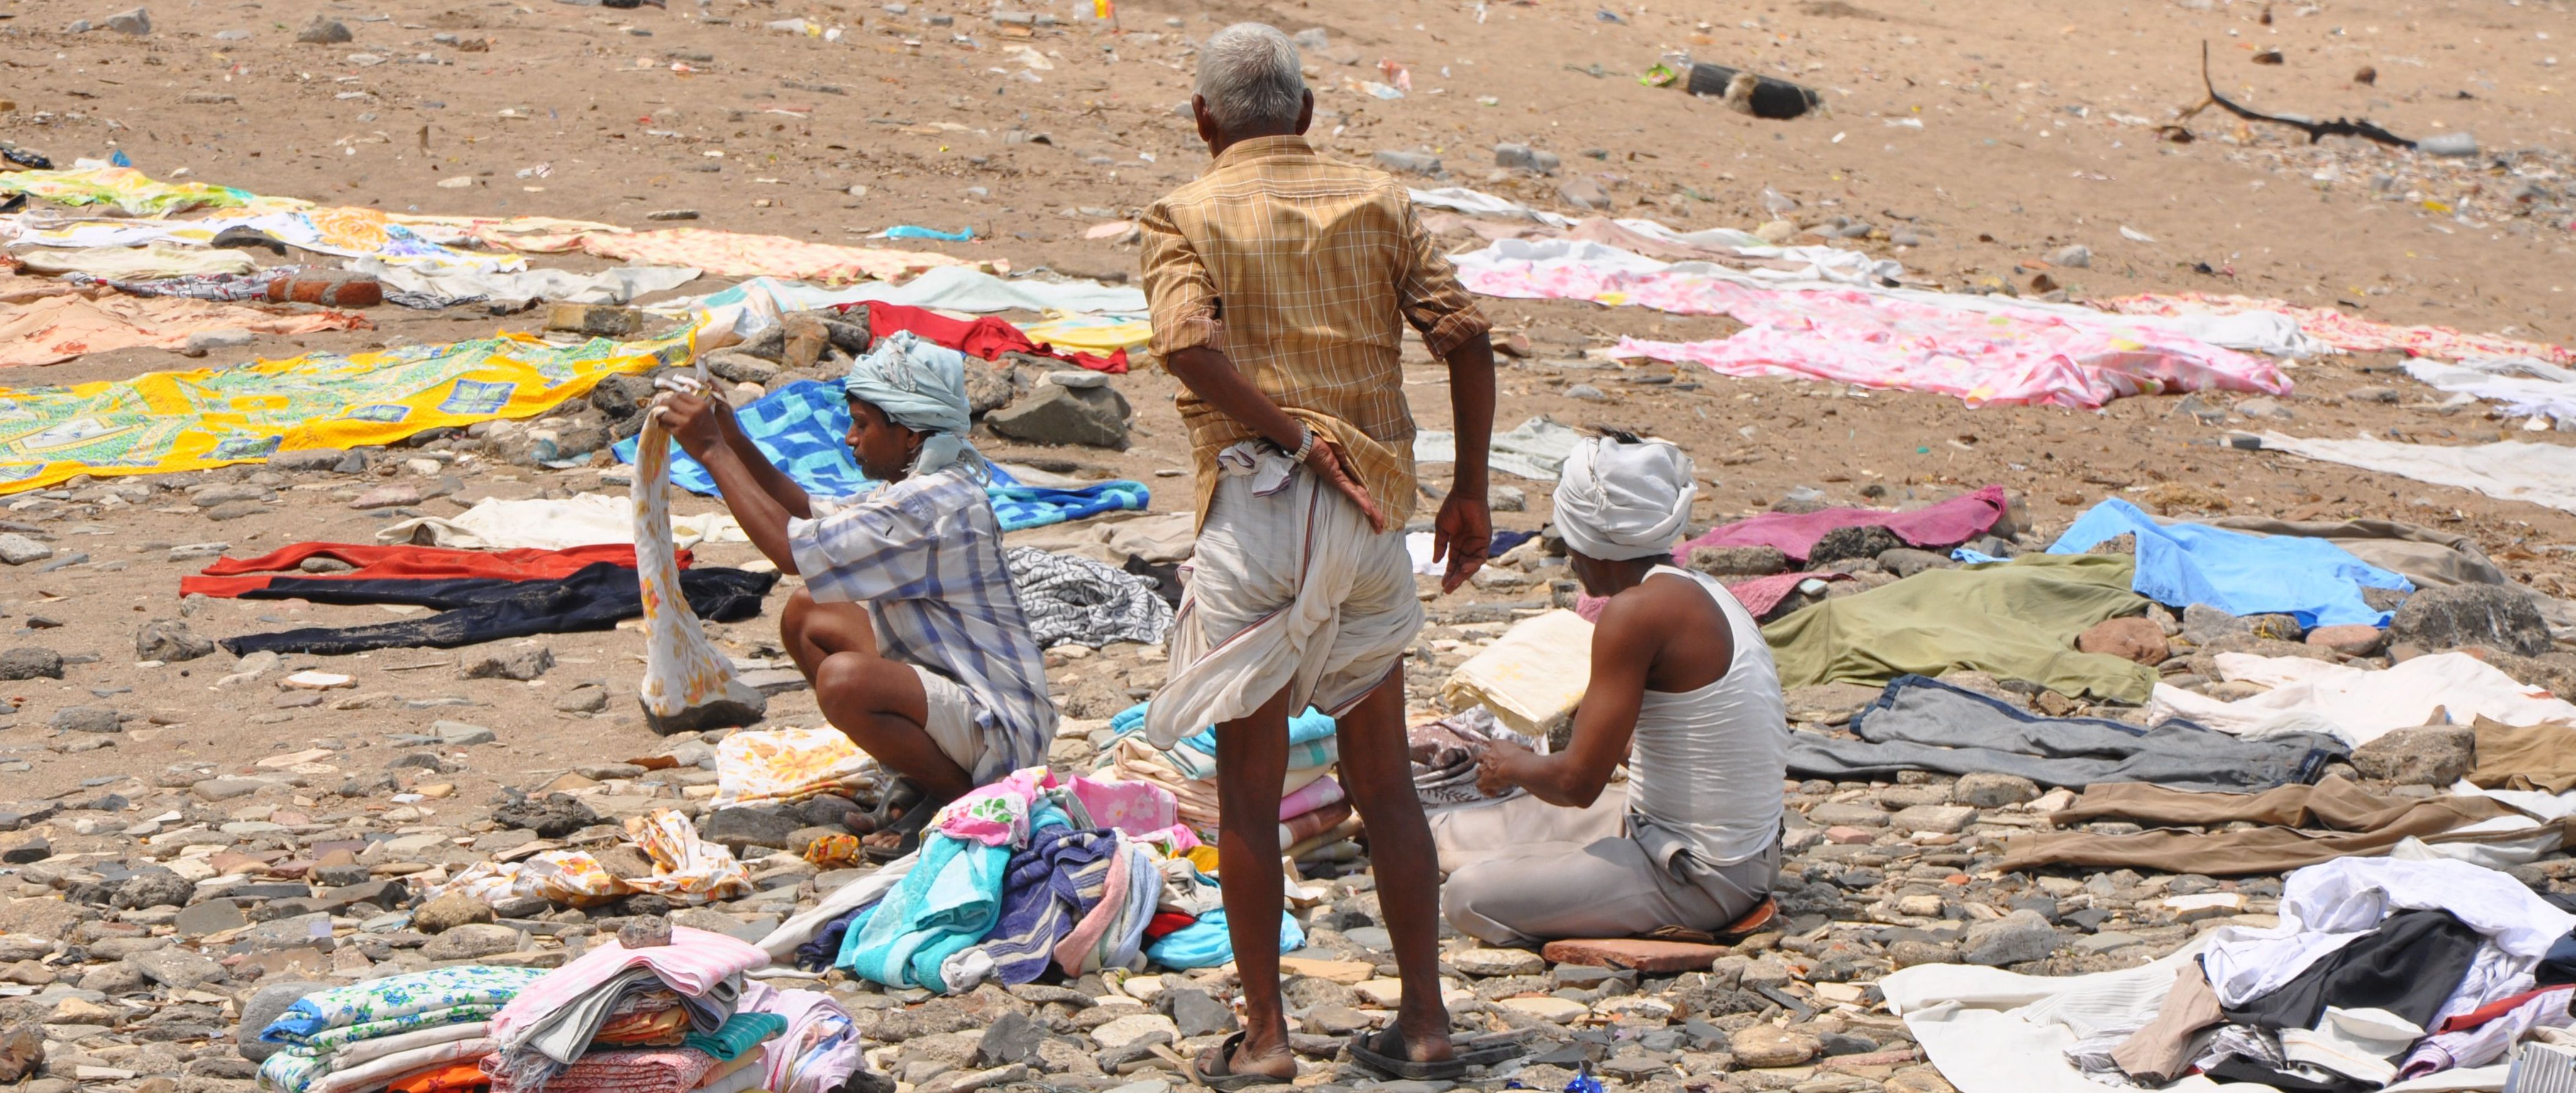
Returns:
(1379, 775)
(1251, 761)
(877, 702)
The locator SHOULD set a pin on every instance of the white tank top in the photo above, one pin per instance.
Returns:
(1705, 766)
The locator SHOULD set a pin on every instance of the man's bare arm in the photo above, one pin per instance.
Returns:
(1464, 528)
(1624, 646)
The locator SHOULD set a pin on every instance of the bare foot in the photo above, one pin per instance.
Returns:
(1426, 1036)
(1275, 1062)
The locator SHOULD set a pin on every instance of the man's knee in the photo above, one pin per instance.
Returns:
(853, 678)
(793, 617)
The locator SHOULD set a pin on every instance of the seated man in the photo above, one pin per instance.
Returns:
(1684, 691)
(908, 626)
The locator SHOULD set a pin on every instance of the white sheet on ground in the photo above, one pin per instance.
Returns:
(1478, 203)
(1993, 1031)
(1534, 449)
(581, 520)
(2524, 387)
(455, 284)
(2543, 474)
(2358, 705)
(950, 288)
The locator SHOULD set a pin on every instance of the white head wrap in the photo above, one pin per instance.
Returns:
(920, 385)
(1617, 500)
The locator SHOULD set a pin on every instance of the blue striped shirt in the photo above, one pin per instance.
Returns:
(925, 556)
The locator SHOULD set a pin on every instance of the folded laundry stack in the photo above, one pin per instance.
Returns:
(397, 1031)
(1314, 813)
(667, 1018)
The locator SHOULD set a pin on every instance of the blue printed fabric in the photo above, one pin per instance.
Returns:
(1206, 943)
(2241, 574)
(800, 428)
(1311, 742)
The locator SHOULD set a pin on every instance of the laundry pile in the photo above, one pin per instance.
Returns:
(681, 868)
(1024, 876)
(414, 1033)
(2381, 974)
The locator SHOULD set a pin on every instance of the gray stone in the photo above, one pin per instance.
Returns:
(17, 549)
(1013, 1038)
(136, 22)
(177, 969)
(169, 640)
(553, 816)
(1908, 561)
(321, 31)
(448, 912)
(1985, 789)
(1405, 163)
(2434, 755)
(22, 1053)
(518, 664)
(989, 387)
(1583, 193)
(30, 662)
(265, 1005)
(2020, 936)
(209, 917)
(225, 789)
(2203, 624)
(471, 941)
(741, 368)
(1096, 417)
(1195, 1011)
(754, 825)
(583, 700)
(29, 852)
(1862, 541)
(2072, 256)
(1526, 158)
(152, 887)
(308, 459)
(1739, 561)
(97, 719)
(2451, 616)
(458, 734)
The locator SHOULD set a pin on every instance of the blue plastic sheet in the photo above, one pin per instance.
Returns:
(2241, 574)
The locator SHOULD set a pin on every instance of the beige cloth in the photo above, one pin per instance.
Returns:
(145, 263)
(1533, 678)
(1289, 590)
(2528, 757)
(1516, 886)
(2161, 1051)
(1470, 833)
(2358, 823)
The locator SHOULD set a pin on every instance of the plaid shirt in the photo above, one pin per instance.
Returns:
(1303, 270)
(925, 556)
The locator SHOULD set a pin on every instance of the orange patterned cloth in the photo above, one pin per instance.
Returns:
(655, 1028)
(2349, 333)
(40, 325)
(729, 254)
(450, 1078)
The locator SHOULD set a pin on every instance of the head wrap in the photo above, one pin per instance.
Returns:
(920, 385)
(1618, 500)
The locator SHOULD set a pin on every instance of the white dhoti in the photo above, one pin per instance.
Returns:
(1289, 588)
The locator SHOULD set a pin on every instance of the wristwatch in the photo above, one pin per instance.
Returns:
(1307, 447)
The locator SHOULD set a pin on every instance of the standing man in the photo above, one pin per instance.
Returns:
(1281, 282)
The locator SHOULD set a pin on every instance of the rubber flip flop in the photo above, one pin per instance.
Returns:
(1760, 918)
(1223, 1078)
(909, 826)
(1383, 1051)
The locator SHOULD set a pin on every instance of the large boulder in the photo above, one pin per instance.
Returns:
(2434, 755)
(2135, 637)
(2451, 616)
(1094, 415)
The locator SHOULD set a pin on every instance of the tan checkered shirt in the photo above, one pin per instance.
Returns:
(1303, 271)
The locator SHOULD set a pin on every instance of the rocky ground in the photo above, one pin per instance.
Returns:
(189, 837)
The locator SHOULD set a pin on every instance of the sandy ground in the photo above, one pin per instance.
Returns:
(2037, 128)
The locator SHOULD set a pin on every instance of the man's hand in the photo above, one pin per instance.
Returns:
(1325, 461)
(1461, 533)
(1495, 767)
(699, 423)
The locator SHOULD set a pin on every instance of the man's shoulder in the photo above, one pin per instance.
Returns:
(1315, 170)
(944, 490)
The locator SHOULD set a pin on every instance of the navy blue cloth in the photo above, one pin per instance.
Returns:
(479, 609)
(2559, 966)
(2241, 574)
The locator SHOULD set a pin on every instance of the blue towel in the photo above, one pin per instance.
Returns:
(2241, 574)
(1305, 728)
(950, 900)
(1205, 943)
(800, 428)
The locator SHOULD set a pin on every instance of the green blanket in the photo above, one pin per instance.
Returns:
(2014, 620)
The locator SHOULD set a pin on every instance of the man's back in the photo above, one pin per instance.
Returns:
(1305, 272)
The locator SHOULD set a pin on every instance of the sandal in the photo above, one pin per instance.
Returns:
(1762, 917)
(1383, 1051)
(909, 827)
(1221, 1076)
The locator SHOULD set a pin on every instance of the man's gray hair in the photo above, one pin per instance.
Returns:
(1251, 77)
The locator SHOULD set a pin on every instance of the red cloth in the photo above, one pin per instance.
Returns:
(230, 577)
(986, 337)
(1758, 594)
(1165, 922)
(2495, 1009)
(1947, 524)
